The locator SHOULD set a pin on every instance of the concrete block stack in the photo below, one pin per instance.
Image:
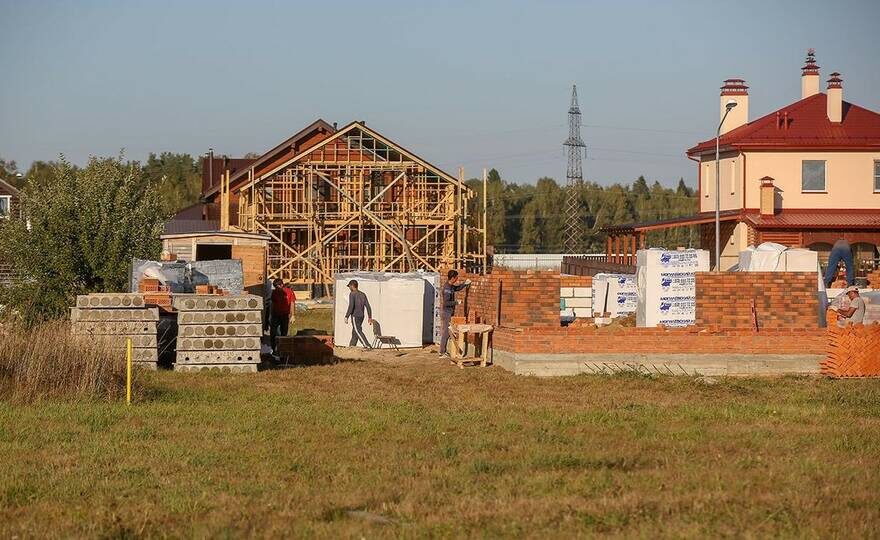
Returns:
(219, 333)
(614, 295)
(116, 317)
(576, 302)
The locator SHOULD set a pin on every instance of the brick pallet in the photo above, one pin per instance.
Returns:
(218, 333)
(115, 318)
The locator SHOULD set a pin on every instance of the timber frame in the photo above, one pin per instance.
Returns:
(355, 201)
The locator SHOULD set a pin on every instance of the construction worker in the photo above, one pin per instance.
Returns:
(357, 304)
(282, 301)
(855, 313)
(840, 252)
(449, 302)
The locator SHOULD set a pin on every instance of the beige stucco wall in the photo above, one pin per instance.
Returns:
(849, 180)
(731, 169)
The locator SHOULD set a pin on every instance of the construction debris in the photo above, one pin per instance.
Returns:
(207, 341)
(118, 318)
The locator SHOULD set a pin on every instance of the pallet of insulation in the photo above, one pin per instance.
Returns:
(218, 333)
(116, 318)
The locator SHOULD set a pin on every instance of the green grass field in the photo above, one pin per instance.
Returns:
(403, 447)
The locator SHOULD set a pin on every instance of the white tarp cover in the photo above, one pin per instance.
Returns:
(621, 290)
(666, 286)
(403, 307)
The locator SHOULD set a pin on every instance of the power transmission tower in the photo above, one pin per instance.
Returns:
(575, 148)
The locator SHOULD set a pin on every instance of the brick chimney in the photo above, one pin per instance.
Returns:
(835, 98)
(768, 197)
(737, 91)
(810, 75)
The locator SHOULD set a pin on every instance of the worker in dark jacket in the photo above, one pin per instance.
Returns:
(449, 302)
(357, 304)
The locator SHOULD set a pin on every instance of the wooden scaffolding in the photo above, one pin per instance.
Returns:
(357, 201)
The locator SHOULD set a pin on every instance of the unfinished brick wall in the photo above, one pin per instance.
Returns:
(525, 298)
(781, 299)
(690, 340)
(566, 280)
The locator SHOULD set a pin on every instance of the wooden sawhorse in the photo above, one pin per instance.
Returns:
(457, 332)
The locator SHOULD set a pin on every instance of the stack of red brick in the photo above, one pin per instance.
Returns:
(780, 299)
(853, 351)
(874, 278)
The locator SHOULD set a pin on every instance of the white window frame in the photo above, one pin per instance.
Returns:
(876, 176)
(8, 206)
(825, 171)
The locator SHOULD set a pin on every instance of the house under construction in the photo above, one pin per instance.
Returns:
(340, 200)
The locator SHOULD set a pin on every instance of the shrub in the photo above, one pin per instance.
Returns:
(83, 226)
(47, 361)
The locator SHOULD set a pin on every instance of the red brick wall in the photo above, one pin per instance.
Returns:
(566, 280)
(530, 317)
(691, 340)
(782, 299)
(527, 298)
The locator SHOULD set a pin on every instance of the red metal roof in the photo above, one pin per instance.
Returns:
(807, 127)
(818, 219)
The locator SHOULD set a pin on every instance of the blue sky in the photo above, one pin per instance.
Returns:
(477, 84)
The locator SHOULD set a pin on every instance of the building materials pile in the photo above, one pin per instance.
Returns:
(853, 351)
(115, 318)
(667, 286)
(218, 332)
(575, 302)
(403, 306)
(614, 295)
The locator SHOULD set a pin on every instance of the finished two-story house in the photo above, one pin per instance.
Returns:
(805, 175)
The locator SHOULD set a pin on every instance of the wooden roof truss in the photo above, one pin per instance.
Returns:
(357, 201)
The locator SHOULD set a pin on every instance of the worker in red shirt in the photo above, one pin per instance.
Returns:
(283, 302)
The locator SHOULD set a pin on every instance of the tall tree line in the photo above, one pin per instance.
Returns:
(176, 177)
(525, 218)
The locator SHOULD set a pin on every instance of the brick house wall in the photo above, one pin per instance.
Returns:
(781, 300)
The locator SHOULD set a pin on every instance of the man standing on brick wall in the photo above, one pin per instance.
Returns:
(841, 252)
(449, 302)
(357, 304)
(855, 313)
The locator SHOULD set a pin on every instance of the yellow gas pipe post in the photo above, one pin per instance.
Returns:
(128, 371)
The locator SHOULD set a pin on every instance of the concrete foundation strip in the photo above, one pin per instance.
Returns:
(219, 317)
(231, 368)
(210, 330)
(116, 328)
(218, 303)
(218, 357)
(102, 315)
(218, 343)
(110, 300)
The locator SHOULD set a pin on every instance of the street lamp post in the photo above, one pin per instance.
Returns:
(730, 104)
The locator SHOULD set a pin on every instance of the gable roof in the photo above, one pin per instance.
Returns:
(807, 127)
(12, 190)
(287, 147)
(361, 126)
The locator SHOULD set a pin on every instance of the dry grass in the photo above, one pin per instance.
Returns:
(415, 448)
(47, 362)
